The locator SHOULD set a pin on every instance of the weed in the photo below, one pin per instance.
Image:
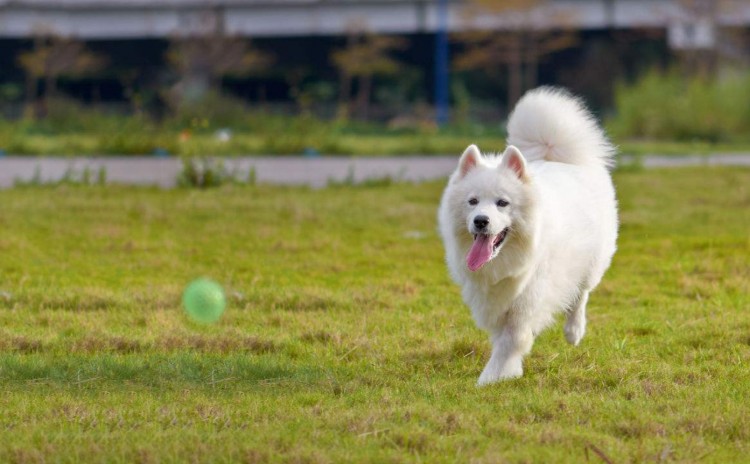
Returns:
(71, 177)
(202, 172)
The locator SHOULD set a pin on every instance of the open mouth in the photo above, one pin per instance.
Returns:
(484, 249)
(499, 238)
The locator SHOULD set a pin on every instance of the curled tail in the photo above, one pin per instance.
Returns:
(551, 124)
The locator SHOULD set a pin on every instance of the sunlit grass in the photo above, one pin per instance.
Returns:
(344, 339)
(672, 148)
(249, 144)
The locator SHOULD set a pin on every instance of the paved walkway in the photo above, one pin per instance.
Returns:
(281, 170)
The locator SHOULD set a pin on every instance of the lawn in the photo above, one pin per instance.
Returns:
(334, 144)
(345, 341)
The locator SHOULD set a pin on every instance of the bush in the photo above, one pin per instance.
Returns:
(668, 106)
(221, 126)
(211, 112)
(202, 172)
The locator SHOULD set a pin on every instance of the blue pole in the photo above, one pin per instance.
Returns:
(441, 64)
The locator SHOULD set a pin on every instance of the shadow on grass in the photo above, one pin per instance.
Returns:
(183, 370)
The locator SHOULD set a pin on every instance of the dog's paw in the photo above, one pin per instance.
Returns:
(490, 376)
(574, 331)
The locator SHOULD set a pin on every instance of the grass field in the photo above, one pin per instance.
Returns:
(345, 341)
(393, 144)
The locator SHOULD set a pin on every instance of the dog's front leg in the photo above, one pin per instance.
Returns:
(509, 346)
(575, 326)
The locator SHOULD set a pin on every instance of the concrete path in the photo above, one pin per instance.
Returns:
(670, 161)
(281, 170)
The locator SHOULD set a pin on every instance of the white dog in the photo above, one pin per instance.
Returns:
(530, 233)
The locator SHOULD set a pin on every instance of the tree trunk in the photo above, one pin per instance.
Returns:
(532, 61)
(515, 72)
(363, 96)
(345, 89)
(49, 92)
(31, 95)
(50, 86)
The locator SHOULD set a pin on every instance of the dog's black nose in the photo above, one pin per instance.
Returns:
(480, 222)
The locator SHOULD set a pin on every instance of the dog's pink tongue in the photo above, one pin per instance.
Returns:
(480, 252)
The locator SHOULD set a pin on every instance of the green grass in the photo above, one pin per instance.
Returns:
(328, 143)
(344, 340)
(248, 144)
(672, 148)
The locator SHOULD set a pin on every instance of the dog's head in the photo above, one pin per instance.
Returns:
(488, 195)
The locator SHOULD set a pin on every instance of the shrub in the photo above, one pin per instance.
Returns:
(668, 106)
(222, 126)
(212, 111)
(202, 172)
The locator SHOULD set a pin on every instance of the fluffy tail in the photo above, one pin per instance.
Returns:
(551, 124)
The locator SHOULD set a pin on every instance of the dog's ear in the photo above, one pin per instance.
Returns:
(468, 160)
(514, 160)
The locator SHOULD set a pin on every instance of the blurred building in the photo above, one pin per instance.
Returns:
(614, 39)
(685, 20)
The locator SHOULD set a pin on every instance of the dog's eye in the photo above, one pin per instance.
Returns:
(473, 201)
(501, 203)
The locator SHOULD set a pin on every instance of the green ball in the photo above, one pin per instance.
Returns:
(204, 301)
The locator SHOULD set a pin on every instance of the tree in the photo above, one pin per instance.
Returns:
(529, 36)
(201, 61)
(365, 56)
(53, 57)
